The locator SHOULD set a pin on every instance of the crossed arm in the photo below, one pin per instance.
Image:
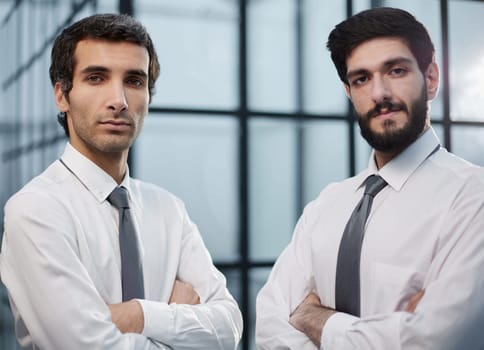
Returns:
(310, 316)
(129, 318)
(55, 287)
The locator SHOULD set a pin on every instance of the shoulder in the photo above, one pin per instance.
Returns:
(455, 170)
(41, 193)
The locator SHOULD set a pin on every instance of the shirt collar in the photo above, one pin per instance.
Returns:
(398, 170)
(96, 180)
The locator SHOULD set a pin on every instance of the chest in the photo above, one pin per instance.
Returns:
(96, 228)
(404, 232)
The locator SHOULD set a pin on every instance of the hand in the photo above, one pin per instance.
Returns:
(183, 293)
(128, 316)
(414, 300)
(310, 317)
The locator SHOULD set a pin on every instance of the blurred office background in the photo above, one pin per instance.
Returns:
(249, 121)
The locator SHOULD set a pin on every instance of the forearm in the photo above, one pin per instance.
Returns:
(310, 318)
(67, 307)
(212, 325)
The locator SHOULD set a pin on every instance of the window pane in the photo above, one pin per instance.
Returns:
(466, 60)
(196, 42)
(257, 279)
(196, 159)
(439, 131)
(272, 182)
(323, 91)
(107, 6)
(360, 5)
(272, 50)
(468, 143)
(325, 155)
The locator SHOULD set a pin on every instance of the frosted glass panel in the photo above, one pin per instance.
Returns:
(196, 159)
(325, 155)
(272, 52)
(360, 5)
(439, 131)
(272, 181)
(257, 278)
(196, 42)
(107, 6)
(466, 46)
(323, 91)
(468, 143)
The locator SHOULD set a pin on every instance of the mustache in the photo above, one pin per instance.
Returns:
(388, 106)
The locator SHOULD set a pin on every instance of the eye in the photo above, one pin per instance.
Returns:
(398, 71)
(136, 82)
(94, 78)
(359, 80)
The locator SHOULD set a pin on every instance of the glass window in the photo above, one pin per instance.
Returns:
(439, 131)
(272, 186)
(323, 91)
(466, 60)
(196, 159)
(271, 55)
(468, 143)
(257, 278)
(107, 6)
(326, 150)
(196, 42)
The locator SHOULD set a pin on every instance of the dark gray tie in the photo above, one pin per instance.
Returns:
(348, 265)
(131, 267)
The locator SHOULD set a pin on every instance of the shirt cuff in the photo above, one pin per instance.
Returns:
(158, 319)
(335, 328)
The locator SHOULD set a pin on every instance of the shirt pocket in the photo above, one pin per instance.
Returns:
(392, 287)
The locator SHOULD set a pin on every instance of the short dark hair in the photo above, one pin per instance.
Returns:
(110, 27)
(376, 23)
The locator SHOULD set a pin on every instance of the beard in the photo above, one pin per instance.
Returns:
(393, 139)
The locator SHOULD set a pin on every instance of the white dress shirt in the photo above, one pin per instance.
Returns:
(60, 262)
(425, 231)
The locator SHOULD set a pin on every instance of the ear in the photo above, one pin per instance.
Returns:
(347, 90)
(60, 98)
(432, 77)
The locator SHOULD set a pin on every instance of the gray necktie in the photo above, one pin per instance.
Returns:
(348, 265)
(131, 267)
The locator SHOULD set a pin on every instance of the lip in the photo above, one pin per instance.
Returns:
(387, 114)
(116, 125)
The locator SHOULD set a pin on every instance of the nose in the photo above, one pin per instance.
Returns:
(380, 90)
(117, 101)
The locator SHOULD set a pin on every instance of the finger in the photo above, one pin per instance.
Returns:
(312, 298)
(413, 302)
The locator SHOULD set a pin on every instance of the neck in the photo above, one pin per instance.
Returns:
(113, 163)
(382, 158)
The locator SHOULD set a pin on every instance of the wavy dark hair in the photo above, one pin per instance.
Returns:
(110, 27)
(376, 23)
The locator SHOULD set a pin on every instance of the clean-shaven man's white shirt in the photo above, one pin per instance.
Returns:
(425, 231)
(60, 262)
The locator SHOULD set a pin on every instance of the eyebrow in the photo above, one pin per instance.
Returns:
(98, 69)
(387, 64)
(93, 69)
